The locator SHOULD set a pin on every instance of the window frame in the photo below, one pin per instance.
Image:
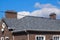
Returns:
(6, 37)
(2, 38)
(56, 36)
(3, 25)
(40, 36)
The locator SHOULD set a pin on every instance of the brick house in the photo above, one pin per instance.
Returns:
(29, 27)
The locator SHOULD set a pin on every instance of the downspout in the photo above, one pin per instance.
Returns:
(27, 35)
(13, 37)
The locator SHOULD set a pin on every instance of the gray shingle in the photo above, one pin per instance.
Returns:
(33, 23)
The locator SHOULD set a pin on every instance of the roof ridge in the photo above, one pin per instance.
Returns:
(42, 17)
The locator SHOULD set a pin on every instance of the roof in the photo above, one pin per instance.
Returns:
(32, 23)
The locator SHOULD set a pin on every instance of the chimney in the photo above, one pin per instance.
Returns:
(10, 14)
(52, 16)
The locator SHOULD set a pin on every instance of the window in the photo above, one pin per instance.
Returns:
(6, 38)
(2, 38)
(3, 25)
(56, 37)
(39, 37)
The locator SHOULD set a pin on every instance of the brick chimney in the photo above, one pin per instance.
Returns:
(10, 14)
(52, 16)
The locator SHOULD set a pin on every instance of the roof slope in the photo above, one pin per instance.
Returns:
(33, 23)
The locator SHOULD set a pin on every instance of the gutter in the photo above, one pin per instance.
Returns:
(22, 31)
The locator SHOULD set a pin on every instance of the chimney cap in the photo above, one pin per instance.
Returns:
(52, 14)
(10, 11)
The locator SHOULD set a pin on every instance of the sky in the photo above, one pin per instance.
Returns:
(41, 8)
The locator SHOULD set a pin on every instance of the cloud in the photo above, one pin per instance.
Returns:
(22, 14)
(58, 2)
(45, 10)
(39, 5)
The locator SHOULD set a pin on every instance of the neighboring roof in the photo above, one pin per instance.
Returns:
(33, 23)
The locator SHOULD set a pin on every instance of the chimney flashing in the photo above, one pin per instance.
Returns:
(10, 12)
(52, 14)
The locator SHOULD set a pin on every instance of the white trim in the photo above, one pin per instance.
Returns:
(2, 38)
(55, 36)
(6, 37)
(40, 36)
(28, 36)
(3, 25)
(13, 37)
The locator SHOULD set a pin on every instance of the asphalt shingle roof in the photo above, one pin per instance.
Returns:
(33, 23)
